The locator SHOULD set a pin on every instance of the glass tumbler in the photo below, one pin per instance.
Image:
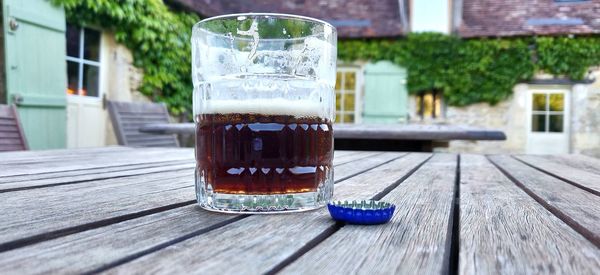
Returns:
(263, 108)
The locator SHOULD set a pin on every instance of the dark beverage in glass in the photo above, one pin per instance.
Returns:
(254, 154)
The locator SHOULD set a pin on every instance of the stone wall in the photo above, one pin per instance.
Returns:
(510, 116)
(585, 119)
(123, 79)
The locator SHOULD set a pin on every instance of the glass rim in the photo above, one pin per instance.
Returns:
(264, 15)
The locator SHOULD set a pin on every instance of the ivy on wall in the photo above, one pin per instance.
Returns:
(158, 37)
(467, 70)
(477, 70)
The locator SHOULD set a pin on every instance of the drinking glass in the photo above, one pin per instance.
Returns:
(263, 108)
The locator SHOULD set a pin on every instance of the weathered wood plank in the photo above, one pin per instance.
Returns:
(580, 178)
(504, 231)
(582, 162)
(413, 242)
(90, 161)
(37, 211)
(578, 208)
(266, 240)
(40, 155)
(92, 249)
(54, 178)
(9, 184)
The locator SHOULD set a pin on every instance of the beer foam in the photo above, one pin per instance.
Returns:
(274, 106)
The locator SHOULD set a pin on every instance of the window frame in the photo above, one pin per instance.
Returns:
(357, 112)
(81, 61)
(546, 112)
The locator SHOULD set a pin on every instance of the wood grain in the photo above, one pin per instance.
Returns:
(86, 161)
(578, 177)
(504, 231)
(92, 249)
(578, 208)
(413, 242)
(6, 157)
(10, 184)
(258, 243)
(582, 162)
(37, 211)
(128, 117)
(12, 137)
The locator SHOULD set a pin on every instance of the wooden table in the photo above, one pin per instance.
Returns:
(368, 131)
(126, 210)
(389, 137)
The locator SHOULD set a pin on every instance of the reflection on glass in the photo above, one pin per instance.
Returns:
(538, 123)
(556, 102)
(73, 37)
(72, 77)
(91, 50)
(338, 81)
(349, 102)
(539, 102)
(338, 101)
(348, 118)
(556, 123)
(338, 117)
(90, 81)
(349, 81)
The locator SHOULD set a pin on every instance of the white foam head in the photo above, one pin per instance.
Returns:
(273, 106)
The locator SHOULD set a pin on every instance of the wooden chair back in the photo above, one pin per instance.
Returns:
(12, 137)
(128, 117)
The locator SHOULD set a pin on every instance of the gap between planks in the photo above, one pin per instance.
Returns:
(226, 222)
(37, 238)
(577, 225)
(591, 184)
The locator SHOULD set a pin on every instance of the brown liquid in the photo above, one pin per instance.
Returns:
(263, 154)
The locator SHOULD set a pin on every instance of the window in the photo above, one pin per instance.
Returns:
(429, 104)
(547, 112)
(83, 61)
(347, 96)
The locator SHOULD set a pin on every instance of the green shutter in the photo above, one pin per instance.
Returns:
(385, 99)
(36, 69)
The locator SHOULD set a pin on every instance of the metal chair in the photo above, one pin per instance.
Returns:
(12, 137)
(128, 117)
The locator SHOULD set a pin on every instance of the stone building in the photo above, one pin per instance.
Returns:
(98, 69)
(568, 121)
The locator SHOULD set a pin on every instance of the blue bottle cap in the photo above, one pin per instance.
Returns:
(361, 212)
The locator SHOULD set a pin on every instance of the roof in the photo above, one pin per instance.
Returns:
(352, 18)
(529, 17)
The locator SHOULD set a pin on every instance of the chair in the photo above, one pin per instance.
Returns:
(12, 137)
(128, 117)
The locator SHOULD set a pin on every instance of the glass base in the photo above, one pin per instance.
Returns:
(264, 203)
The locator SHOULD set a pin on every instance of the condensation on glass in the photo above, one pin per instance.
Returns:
(263, 107)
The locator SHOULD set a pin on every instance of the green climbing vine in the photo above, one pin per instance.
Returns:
(477, 70)
(158, 37)
(467, 70)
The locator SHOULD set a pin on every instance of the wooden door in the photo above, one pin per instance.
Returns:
(34, 42)
(385, 93)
